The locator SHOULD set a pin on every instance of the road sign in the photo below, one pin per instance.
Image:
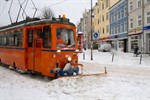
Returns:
(95, 35)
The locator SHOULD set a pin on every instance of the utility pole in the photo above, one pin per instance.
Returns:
(142, 31)
(91, 34)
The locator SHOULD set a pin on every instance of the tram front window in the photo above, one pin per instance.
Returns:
(65, 38)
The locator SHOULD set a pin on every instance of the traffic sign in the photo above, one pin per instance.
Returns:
(95, 35)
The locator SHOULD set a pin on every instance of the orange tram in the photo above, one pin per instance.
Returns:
(40, 46)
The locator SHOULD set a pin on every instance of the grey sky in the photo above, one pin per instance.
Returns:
(73, 9)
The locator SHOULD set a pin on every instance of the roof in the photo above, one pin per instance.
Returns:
(36, 21)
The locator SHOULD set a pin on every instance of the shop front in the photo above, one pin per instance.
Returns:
(119, 42)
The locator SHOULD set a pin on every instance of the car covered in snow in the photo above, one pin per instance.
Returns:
(104, 48)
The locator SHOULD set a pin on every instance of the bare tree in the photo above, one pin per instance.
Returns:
(47, 13)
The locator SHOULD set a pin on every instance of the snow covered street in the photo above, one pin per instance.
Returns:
(126, 80)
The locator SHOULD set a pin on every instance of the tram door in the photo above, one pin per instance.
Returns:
(34, 44)
(30, 49)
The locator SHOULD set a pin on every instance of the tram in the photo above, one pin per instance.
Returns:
(42, 46)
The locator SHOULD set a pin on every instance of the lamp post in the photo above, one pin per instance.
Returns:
(91, 34)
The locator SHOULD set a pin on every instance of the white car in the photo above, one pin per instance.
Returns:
(104, 48)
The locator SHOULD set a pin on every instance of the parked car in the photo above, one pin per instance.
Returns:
(104, 48)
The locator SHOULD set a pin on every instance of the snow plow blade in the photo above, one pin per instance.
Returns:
(96, 74)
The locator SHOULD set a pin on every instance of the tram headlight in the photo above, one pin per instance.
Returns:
(69, 58)
(58, 50)
(77, 50)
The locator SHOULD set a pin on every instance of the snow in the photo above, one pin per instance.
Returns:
(126, 80)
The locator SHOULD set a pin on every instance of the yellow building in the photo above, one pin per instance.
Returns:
(101, 18)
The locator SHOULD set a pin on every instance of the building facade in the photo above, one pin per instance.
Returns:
(84, 26)
(146, 26)
(101, 19)
(119, 25)
(139, 25)
(135, 24)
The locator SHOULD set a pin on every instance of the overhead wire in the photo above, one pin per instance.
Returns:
(55, 4)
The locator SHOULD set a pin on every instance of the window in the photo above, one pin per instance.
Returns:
(103, 17)
(148, 0)
(30, 38)
(100, 18)
(118, 15)
(121, 13)
(103, 31)
(125, 26)
(47, 37)
(115, 29)
(65, 38)
(0, 40)
(139, 20)
(118, 28)
(122, 28)
(107, 3)
(148, 17)
(107, 16)
(131, 6)
(125, 12)
(11, 39)
(112, 30)
(102, 5)
(139, 3)
(107, 28)
(131, 23)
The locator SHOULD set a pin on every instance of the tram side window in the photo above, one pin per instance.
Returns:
(10, 43)
(0, 40)
(4, 40)
(47, 37)
(16, 39)
(30, 38)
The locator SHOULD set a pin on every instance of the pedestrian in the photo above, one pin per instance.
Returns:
(136, 48)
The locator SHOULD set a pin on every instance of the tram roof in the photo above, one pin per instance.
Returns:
(36, 21)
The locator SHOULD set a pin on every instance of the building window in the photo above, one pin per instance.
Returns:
(131, 23)
(131, 6)
(125, 26)
(139, 3)
(107, 28)
(112, 18)
(107, 3)
(103, 31)
(103, 17)
(148, 17)
(98, 22)
(100, 18)
(118, 15)
(111, 31)
(115, 29)
(118, 28)
(125, 12)
(139, 20)
(103, 6)
(107, 16)
(121, 13)
(122, 28)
